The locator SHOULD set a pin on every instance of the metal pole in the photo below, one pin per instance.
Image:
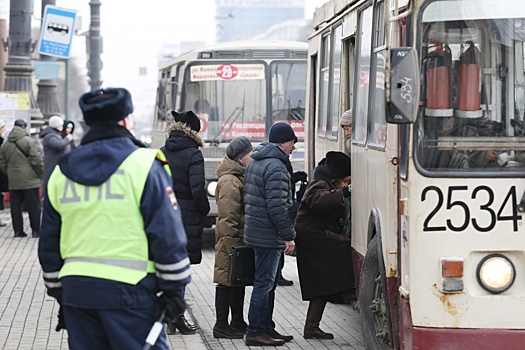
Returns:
(95, 46)
(19, 69)
(47, 97)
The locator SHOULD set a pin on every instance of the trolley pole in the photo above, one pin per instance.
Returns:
(47, 97)
(94, 63)
(19, 69)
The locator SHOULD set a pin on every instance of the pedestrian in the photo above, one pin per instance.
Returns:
(229, 229)
(55, 146)
(22, 161)
(69, 128)
(346, 124)
(324, 258)
(112, 235)
(4, 183)
(187, 170)
(268, 229)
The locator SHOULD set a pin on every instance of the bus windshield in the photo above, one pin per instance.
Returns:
(233, 99)
(472, 111)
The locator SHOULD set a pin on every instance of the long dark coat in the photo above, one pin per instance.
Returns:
(230, 219)
(187, 170)
(324, 257)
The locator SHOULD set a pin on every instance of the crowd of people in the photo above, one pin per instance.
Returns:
(120, 224)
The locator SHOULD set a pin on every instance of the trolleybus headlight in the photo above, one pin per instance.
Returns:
(211, 188)
(496, 273)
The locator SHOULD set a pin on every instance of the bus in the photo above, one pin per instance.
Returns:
(437, 91)
(238, 88)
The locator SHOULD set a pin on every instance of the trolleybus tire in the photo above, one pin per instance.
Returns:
(372, 302)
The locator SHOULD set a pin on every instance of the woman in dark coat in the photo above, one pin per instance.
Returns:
(323, 254)
(187, 170)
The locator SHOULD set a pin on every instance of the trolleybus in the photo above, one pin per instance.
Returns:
(236, 88)
(437, 90)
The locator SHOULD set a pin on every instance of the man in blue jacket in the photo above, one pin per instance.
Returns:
(268, 228)
(112, 246)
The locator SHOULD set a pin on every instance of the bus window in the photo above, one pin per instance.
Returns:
(363, 76)
(336, 82)
(324, 79)
(471, 118)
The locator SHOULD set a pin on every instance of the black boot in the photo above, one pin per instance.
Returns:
(237, 308)
(182, 325)
(313, 318)
(222, 308)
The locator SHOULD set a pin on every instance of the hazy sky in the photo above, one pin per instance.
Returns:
(133, 31)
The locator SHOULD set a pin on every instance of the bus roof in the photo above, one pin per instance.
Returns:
(241, 45)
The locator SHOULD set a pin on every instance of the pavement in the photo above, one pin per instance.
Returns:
(28, 315)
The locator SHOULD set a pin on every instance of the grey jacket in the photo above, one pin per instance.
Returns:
(24, 167)
(268, 198)
(55, 146)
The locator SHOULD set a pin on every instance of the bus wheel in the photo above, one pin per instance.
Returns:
(372, 302)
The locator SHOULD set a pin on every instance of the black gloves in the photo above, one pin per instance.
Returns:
(299, 176)
(61, 322)
(347, 191)
(172, 304)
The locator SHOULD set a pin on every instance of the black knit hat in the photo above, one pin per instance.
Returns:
(338, 165)
(238, 148)
(189, 118)
(281, 132)
(21, 123)
(106, 105)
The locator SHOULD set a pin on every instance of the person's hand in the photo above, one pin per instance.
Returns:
(492, 155)
(61, 321)
(290, 247)
(173, 305)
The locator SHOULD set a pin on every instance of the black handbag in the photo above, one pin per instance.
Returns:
(242, 265)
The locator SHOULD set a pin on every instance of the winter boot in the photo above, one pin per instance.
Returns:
(237, 308)
(313, 318)
(182, 325)
(222, 308)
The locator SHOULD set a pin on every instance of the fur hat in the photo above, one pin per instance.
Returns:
(55, 122)
(189, 118)
(238, 148)
(338, 165)
(106, 105)
(281, 132)
(21, 123)
(346, 118)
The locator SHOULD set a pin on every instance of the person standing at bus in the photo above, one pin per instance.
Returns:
(112, 237)
(187, 170)
(229, 233)
(268, 229)
(4, 183)
(346, 124)
(324, 259)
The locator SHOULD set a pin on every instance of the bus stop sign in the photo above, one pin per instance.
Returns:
(58, 27)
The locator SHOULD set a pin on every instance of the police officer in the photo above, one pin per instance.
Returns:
(112, 244)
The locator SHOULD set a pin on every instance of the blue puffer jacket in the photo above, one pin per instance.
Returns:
(268, 198)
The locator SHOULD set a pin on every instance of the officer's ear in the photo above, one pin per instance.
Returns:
(126, 122)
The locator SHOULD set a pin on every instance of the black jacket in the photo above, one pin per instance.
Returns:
(187, 170)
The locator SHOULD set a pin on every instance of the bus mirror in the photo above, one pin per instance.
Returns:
(404, 86)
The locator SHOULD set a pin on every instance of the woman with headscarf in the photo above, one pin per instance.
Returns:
(324, 257)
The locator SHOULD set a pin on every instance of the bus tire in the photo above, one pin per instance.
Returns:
(372, 302)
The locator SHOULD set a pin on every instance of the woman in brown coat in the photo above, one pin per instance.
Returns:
(323, 253)
(228, 233)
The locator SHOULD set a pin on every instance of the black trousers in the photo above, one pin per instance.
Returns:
(31, 200)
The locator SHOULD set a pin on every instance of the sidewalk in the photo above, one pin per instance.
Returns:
(28, 315)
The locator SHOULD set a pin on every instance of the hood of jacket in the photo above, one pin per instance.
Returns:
(181, 137)
(228, 166)
(100, 155)
(49, 131)
(16, 134)
(268, 150)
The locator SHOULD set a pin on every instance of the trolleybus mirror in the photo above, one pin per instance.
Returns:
(404, 86)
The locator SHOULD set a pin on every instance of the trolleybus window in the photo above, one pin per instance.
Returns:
(473, 88)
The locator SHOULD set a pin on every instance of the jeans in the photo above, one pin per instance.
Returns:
(260, 313)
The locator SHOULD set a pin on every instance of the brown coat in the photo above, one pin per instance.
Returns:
(230, 218)
(324, 257)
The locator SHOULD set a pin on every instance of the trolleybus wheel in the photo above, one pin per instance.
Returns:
(372, 302)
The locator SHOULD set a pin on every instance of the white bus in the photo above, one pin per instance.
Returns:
(437, 89)
(236, 88)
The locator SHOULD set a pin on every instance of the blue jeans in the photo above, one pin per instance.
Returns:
(260, 313)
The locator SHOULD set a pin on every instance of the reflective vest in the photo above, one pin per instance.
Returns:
(102, 233)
